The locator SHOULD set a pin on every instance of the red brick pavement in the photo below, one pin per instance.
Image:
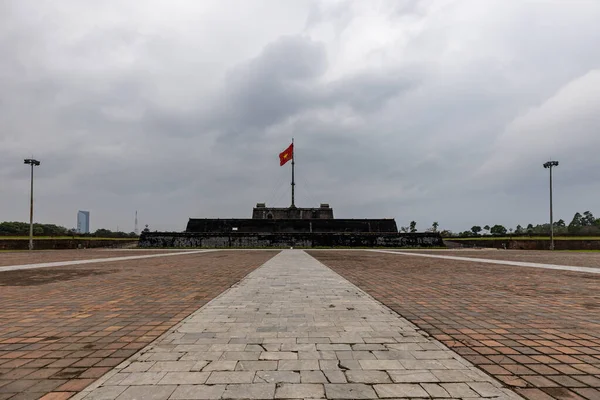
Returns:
(43, 256)
(61, 328)
(536, 330)
(572, 258)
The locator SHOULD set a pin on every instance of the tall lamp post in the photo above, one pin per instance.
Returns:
(549, 165)
(33, 163)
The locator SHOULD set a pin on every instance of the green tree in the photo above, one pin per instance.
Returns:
(435, 226)
(498, 230)
(413, 226)
(576, 223)
(519, 230)
(487, 229)
(476, 229)
(588, 219)
(103, 233)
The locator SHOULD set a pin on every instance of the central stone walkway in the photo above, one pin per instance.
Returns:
(294, 329)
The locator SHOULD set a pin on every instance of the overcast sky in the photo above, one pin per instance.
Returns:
(417, 110)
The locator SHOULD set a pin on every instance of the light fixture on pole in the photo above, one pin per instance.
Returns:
(549, 165)
(33, 163)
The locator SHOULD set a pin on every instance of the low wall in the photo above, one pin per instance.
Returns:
(532, 244)
(284, 240)
(58, 244)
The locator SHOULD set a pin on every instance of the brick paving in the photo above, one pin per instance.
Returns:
(294, 329)
(536, 330)
(42, 256)
(61, 328)
(572, 258)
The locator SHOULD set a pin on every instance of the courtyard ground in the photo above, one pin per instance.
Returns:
(536, 330)
(61, 328)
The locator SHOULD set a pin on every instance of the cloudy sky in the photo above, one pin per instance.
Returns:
(432, 110)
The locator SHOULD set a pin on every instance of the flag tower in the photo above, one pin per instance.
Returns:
(284, 157)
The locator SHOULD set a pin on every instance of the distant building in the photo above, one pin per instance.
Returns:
(83, 222)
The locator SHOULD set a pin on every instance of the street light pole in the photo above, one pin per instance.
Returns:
(33, 163)
(549, 165)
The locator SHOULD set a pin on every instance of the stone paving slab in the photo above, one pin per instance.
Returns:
(536, 330)
(61, 328)
(294, 329)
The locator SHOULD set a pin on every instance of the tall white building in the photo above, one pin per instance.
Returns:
(83, 222)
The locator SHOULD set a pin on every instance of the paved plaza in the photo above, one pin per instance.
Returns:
(280, 324)
(294, 329)
(61, 328)
(537, 330)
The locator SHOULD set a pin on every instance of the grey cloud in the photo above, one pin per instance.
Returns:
(394, 108)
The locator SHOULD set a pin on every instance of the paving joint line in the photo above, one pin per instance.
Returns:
(493, 261)
(97, 260)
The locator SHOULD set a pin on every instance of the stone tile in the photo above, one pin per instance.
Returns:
(230, 377)
(142, 378)
(199, 392)
(380, 364)
(168, 366)
(298, 347)
(459, 390)
(106, 393)
(139, 366)
(451, 376)
(335, 376)
(356, 355)
(256, 366)
(254, 391)
(147, 392)
(395, 390)
(300, 391)
(331, 364)
(220, 366)
(422, 364)
(278, 355)
(298, 365)
(412, 376)
(184, 378)
(485, 389)
(353, 391)
(277, 377)
(435, 390)
(359, 376)
(241, 355)
(312, 377)
(201, 356)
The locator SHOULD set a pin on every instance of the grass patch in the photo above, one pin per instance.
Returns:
(483, 238)
(579, 251)
(61, 238)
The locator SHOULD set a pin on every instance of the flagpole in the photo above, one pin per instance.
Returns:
(293, 183)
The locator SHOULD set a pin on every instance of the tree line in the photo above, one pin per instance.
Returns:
(22, 229)
(582, 224)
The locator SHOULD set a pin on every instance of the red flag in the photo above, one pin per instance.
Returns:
(286, 155)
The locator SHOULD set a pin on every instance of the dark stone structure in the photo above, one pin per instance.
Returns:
(290, 227)
(291, 220)
(261, 211)
(209, 225)
(287, 240)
